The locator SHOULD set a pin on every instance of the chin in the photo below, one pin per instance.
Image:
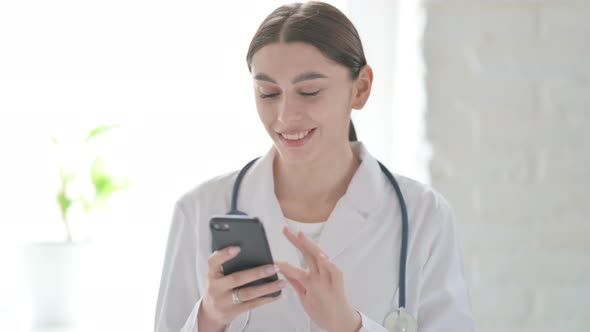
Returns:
(296, 156)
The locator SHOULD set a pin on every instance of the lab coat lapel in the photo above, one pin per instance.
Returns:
(341, 229)
(354, 210)
(258, 199)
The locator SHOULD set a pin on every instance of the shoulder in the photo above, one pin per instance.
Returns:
(422, 195)
(428, 210)
(431, 219)
(210, 196)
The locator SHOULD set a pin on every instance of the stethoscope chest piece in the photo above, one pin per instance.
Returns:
(400, 321)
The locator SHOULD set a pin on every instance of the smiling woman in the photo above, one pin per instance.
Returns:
(337, 221)
(301, 26)
(307, 98)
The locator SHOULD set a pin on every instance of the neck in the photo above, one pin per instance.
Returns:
(321, 181)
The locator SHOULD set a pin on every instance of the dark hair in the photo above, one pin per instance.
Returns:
(318, 24)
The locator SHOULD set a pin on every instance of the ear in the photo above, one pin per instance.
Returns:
(362, 87)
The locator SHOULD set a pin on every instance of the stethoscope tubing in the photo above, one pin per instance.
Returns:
(404, 211)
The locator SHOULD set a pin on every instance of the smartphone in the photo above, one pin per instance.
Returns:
(248, 234)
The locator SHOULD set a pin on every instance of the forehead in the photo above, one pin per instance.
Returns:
(283, 61)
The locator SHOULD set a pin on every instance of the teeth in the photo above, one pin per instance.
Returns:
(297, 136)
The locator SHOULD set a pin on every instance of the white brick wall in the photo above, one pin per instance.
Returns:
(508, 86)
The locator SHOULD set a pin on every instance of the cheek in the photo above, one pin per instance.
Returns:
(265, 113)
(332, 111)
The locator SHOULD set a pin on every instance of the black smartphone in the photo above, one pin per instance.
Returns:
(248, 234)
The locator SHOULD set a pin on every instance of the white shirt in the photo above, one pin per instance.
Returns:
(361, 236)
(312, 230)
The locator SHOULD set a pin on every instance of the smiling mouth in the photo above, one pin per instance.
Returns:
(296, 136)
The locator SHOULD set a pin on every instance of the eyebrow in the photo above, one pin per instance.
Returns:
(310, 75)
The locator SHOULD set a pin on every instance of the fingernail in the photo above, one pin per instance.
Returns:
(234, 250)
(282, 284)
(272, 269)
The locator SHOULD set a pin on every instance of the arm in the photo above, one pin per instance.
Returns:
(444, 299)
(179, 297)
(443, 303)
(182, 307)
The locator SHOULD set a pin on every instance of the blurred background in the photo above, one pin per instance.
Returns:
(123, 106)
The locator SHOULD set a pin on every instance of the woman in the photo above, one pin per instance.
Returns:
(331, 216)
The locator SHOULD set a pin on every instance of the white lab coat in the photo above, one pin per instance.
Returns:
(362, 236)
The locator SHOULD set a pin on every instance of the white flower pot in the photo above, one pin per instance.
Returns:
(56, 278)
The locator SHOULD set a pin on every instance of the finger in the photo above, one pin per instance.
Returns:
(327, 268)
(334, 272)
(309, 246)
(298, 286)
(241, 278)
(245, 306)
(316, 252)
(219, 257)
(254, 292)
(298, 243)
(291, 271)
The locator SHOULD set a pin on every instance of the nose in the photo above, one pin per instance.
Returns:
(289, 111)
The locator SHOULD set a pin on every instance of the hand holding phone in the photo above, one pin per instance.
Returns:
(241, 261)
(248, 234)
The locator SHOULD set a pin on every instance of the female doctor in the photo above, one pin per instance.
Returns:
(330, 213)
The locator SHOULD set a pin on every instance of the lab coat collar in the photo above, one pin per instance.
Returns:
(353, 211)
(364, 192)
(349, 217)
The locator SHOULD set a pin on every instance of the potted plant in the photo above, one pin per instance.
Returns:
(55, 271)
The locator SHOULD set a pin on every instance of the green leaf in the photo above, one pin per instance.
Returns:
(99, 131)
(104, 184)
(64, 203)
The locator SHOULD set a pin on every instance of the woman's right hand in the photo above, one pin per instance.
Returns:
(217, 307)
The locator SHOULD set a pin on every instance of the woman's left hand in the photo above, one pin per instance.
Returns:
(321, 287)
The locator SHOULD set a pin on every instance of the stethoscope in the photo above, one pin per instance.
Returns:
(398, 320)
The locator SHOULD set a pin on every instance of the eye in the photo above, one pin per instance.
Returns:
(309, 94)
(271, 95)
